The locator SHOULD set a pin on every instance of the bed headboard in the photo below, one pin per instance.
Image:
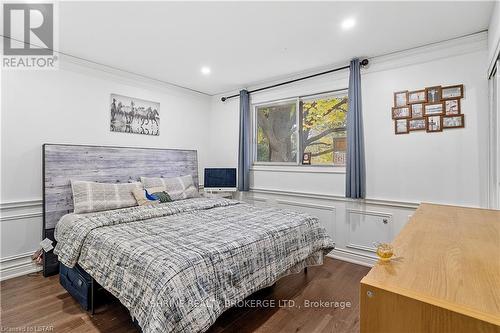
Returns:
(108, 164)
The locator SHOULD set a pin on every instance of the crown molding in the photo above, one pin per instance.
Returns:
(420, 54)
(431, 52)
(76, 64)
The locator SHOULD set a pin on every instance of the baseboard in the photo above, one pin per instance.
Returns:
(352, 258)
(14, 266)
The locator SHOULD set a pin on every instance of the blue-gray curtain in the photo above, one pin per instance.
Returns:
(244, 143)
(355, 159)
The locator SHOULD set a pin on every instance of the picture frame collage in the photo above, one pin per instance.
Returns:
(431, 109)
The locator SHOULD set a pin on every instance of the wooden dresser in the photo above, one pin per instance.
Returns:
(446, 277)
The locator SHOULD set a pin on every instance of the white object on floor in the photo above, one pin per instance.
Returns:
(46, 245)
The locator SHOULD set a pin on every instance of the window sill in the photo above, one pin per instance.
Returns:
(298, 168)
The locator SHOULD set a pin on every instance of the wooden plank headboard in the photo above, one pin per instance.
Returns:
(106, 164)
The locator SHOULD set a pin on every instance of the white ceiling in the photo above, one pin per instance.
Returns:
(245, 43)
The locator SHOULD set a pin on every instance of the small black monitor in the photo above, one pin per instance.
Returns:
(220, 179)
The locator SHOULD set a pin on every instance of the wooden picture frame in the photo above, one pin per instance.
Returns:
(428, 106)
(445, 94)
(421, 121)
(447, 125)
(418, 100)
(306, 159)
(406, 115)
(433, 108)
(449, 109)
(417, 110)
(403, 93)
(401, 130)
(433, 97)
(430, 123)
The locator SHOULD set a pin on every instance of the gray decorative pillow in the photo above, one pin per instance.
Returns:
(178, 188)
(95, 197)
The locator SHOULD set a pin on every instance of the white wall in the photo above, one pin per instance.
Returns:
(448, 167)
(71, 105)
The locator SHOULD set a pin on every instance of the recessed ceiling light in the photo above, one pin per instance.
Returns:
(205, 70)
(348, 23)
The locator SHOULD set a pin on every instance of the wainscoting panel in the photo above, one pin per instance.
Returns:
(353, 224)
(258, 201)
(325, 213)
(21, 230)
(367, 227)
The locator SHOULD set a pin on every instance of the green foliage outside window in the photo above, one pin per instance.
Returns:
(322, 131)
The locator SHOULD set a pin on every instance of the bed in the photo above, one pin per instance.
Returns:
(177, 266)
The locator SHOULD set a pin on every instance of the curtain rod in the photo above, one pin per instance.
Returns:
(364, 62)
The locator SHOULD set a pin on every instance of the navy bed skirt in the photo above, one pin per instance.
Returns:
(78, 283)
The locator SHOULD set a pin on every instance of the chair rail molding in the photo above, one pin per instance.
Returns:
(20, 216)
(377, 202)
(307, 205)
(5, 206)
(19, 210)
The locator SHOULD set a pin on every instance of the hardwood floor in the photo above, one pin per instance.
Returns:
(34, 302)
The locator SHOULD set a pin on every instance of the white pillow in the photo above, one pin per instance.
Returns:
(178, 188)
(94, 197)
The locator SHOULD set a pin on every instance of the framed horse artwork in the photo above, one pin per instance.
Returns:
(134, 115)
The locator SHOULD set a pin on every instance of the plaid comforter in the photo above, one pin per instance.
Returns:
(178, 266)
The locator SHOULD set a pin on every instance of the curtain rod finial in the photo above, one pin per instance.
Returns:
(223, 99)
(364, 62)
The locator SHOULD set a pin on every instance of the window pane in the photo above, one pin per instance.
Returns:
(276, 133)
(324, 129)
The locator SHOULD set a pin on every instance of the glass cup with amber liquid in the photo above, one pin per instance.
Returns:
(385, 251)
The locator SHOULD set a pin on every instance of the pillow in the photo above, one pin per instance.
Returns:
(95, 197)
(162, 196)
(151, 196)
(178, 188)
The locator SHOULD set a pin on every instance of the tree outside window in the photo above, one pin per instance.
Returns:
(321, 130)
(277, 133)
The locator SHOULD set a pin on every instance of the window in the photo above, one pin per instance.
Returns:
(324, 129)
(277, 132)
(315, 125)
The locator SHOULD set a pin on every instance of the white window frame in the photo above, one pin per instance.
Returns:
(291, 166)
